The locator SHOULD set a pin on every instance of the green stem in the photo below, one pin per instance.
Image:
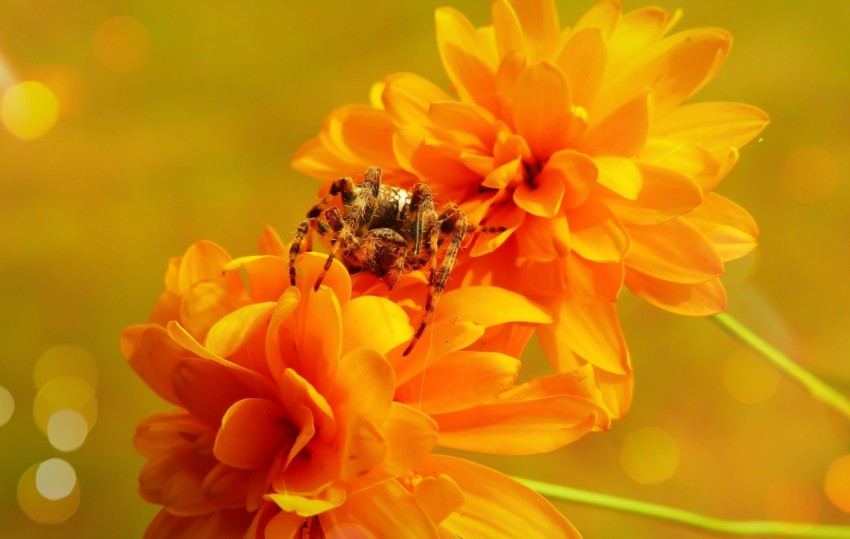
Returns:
(816, 387)
(687, 518)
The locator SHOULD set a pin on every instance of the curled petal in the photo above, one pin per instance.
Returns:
(230, 333)
(374, 322)
(267, 275)
(202, 261)
(221, 388)
(728, 226)
(673, 251)
(490, 306)
(407, 97)
(576, 171)
(361, 131)
(153, 355)
(496, 505)
(252, 432)
(543, 199)
(304, 506)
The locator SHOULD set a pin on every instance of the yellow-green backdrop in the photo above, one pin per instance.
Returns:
(180, 126)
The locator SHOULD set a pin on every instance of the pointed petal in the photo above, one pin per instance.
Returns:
(309, 265)
(410, 435)
(526, 427)
(388, 325)
(364, 367)
(623, 132)
(591, 330)
(318, 160)
(496, 505)
(714, 125)
(384, 510)
(637, 30)
(468, 64)
(203, 260)
(444, 336)
(540, 27)
(673, 69)
(691, 160)
(699, 299)
(583, 61)
(596, 233)
(620, 175)
(459, 380)
(541, 109)
(728, 226)
(308, 506)
(507, 30)
(361, 131)
(673, 251)
(603, 15)
(251, 433)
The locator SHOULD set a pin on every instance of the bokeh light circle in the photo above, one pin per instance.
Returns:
(29, 109)
(66, 360)
(7, 405)
(64, 393)
(55, 479)
(67, 430)
(836, 484)
(41, 509)
(122, 44)
(650, 455)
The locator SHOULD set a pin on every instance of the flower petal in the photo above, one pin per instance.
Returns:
(543, 239)
(361, 131)
(459, 380)
(202, 261)
(364, 365)
(622, 132)
(251, 433)
(583, 61)
(673, 251)
(490, 306)
(468, 124)
(596, 233)
(438, 496)
(407, 97)
(496, 505)
(594, 281)
(410, 435)
(540, 26)
(221, 388)
(153, 355)
(267, 275)
(364, 447)
(374, 322)
(714, 125)
(541, 109)
(524, 427)
(663, 195)
(470, 68)
(699, 299)
(543, 198)
(576, 170)
(230, 333)
(728, 226)
(602, 15)
(383, 510)
(507, 30)
(591, 330)
(308, 506)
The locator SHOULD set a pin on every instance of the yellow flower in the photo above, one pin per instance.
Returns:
(578, 141)
(297, 408)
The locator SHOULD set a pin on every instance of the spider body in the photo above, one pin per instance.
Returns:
(387, 231)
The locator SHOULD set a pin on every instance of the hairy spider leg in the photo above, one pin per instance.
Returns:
(455, 224)
(380, 245)
(358, 214)
(345, 189)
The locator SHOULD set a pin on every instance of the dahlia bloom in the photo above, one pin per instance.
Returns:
(578, 141)
(297, 410)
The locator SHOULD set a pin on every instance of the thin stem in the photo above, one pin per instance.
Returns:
(815, 386)
(687, 518)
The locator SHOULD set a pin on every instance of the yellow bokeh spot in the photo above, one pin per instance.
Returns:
(650, 455)
(836, 484)
(55, 479)
(748, 378)
(792, 500)
(810, 174)
(29, 109)
(64, 393)
(65, 360)
(67, 430)
(40, 508)
(122, 44)
(7, 406)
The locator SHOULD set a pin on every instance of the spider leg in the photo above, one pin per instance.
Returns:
(455, 224)
(384, 251)
(345, 236)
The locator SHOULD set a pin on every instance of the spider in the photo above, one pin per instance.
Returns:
(388, 231)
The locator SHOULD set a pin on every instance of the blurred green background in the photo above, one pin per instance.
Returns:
(177, 122)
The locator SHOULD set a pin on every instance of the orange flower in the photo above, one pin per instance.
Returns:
(578, 142)
(297, 407)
